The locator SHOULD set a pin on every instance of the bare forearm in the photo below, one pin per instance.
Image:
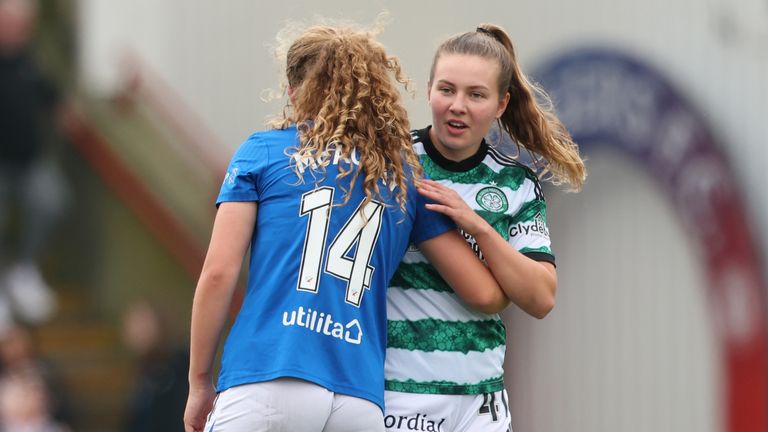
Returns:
(210, 310)
(530, 284)
(471, 280)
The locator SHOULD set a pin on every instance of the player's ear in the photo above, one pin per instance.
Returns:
(291, 95)
(503, 102)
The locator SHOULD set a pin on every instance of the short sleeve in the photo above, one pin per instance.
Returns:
(242, 180)
(427, 223)
(528, 231)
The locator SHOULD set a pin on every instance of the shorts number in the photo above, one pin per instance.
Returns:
(490, 407)
(361, 231)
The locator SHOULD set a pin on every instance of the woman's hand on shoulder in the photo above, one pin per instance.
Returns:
(448, 202)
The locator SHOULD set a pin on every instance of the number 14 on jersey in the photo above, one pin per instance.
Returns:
(360, 231)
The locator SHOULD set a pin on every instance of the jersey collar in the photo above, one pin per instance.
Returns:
(447, 164)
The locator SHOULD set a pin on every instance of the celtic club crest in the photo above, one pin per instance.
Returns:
(492, 199)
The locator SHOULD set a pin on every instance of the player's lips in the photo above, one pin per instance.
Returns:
(456, 127)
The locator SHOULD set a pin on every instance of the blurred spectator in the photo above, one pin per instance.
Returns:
(160, 395)
(30, 397)
(31, 186)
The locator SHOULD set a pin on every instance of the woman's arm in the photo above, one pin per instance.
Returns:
(529, 284)
(230, 238)
(470, 279)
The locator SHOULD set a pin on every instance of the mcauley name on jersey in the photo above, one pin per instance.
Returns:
(332, 155)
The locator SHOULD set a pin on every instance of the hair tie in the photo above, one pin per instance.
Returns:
(488, 32)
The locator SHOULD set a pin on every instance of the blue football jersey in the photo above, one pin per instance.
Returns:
(315, 302)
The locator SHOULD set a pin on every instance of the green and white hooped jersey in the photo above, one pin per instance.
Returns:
(436, 344)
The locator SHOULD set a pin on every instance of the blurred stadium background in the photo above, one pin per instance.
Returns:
(661, 316)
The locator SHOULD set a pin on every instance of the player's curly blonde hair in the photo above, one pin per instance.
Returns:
(345, 100)
(529, 118)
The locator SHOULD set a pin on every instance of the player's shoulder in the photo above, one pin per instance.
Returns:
(418, 136)
(267, 142)
(420, 140)
(272, 137)
(518, 169)
(495, 156)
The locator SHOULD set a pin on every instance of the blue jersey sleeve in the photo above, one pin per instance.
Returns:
(241, 183)
(427, 223)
